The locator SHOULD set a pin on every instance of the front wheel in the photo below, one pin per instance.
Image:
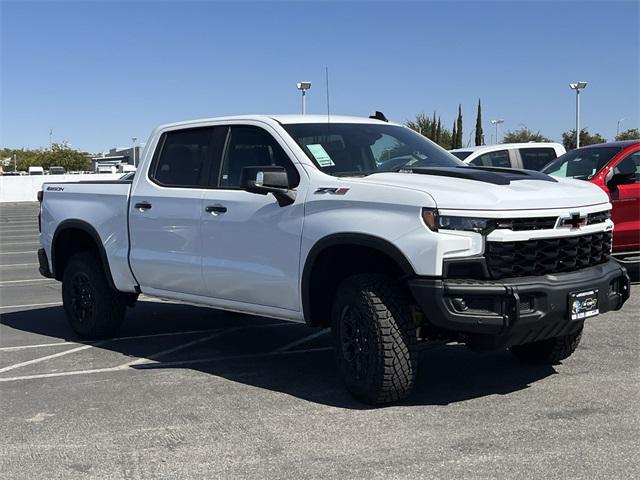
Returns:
(550, 351)
(374, 339)
(94, 309)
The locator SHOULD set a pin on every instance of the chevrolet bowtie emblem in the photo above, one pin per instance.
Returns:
(576, 221)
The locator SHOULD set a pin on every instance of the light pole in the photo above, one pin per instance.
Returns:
(134, 139)
(618, 127)
(577, 87)
(303, 87)
(497, 122)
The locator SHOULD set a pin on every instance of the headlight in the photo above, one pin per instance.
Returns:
(436, 222)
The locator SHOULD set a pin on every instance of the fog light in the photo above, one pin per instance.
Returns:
(459, 304)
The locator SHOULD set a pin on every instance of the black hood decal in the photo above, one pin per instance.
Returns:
(494, 175)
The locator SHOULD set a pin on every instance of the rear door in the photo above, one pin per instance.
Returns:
(626, 204)
(250, 244)
(165, 212)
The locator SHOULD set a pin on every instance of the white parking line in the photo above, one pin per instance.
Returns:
(20, 243)
(18, 253)
(43, 359)
(300, 341)
(19, 265)
(30, 280)
(31, 305)
(134, 363)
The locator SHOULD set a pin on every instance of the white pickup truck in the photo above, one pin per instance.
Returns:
(357, 224)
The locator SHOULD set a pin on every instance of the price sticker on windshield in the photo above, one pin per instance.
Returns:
(321, 155)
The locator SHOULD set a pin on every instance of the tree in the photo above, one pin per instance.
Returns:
(479, 133)
(459, 127)
(58, 156)
(454, 137)
(631, 134)
(586, 138)
(524, 135)
(432, 133)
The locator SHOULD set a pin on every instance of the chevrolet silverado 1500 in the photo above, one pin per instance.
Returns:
(357, 224)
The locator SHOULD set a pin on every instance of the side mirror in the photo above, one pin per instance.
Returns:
(268, 179)
(614, 180)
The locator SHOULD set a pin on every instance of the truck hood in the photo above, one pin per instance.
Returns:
(465, 194)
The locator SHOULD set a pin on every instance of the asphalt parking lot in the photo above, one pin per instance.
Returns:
(190, 392)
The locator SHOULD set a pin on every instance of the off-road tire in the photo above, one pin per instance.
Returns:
(93, 309)
(380, 308)
(550, 351)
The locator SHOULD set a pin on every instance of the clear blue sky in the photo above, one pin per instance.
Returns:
(99, 73)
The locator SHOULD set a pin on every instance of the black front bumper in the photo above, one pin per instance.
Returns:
(518, 310)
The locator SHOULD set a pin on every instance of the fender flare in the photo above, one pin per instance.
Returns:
(347, 239)
(74, 224)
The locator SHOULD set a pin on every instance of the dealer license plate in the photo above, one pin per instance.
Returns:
(583, 304)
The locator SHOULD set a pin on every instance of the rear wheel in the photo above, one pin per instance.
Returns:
(550, 351)
(374, 339)
(94, 309)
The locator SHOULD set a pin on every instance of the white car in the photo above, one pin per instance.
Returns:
(531, 156)
(351, 223)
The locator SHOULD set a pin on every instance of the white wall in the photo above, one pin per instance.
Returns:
(25, 189)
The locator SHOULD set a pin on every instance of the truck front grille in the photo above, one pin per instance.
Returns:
(549, 255)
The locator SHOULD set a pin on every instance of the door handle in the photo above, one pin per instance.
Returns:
(215, 209)
(143, 206)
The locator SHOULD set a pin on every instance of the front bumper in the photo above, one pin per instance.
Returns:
(513, 311)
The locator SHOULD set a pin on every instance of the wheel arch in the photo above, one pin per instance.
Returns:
(357, 247)
(86, 237)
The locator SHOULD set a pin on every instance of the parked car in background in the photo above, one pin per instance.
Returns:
(532, 156)
(57, 171)
(614, 167)
(36, 171)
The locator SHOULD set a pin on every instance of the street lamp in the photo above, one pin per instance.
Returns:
(618, 127)
(497, 122)
(303, 87)
(577, 87)
(134, 140)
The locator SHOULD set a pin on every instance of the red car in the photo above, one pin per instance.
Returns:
(614, 167)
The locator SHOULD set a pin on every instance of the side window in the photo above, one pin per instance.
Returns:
(536, 158)
(629, 165)
(493, 159)
(249, 146)
(182, 156)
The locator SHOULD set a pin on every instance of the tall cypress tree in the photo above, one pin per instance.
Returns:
(432, 133)
(454, 137)
(438, 131)
(459, 127)
(479, 133)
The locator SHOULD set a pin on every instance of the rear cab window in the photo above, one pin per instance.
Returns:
(536, 158)
(499, 158)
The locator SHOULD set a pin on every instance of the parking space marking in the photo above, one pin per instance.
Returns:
(18, 253)
(37, 345)
(300, 341)
(145, 362)
(15, 265)
(47, 357)
(29, 280)
(21, 243)
(31, 305)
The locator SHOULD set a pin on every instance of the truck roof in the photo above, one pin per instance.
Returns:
(284, 119)
(503, 146)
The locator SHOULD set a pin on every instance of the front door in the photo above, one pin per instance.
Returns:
(250, 244)
(626, 205)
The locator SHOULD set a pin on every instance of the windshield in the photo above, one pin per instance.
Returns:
(358, 149)
(461, 155)
(582, 164)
